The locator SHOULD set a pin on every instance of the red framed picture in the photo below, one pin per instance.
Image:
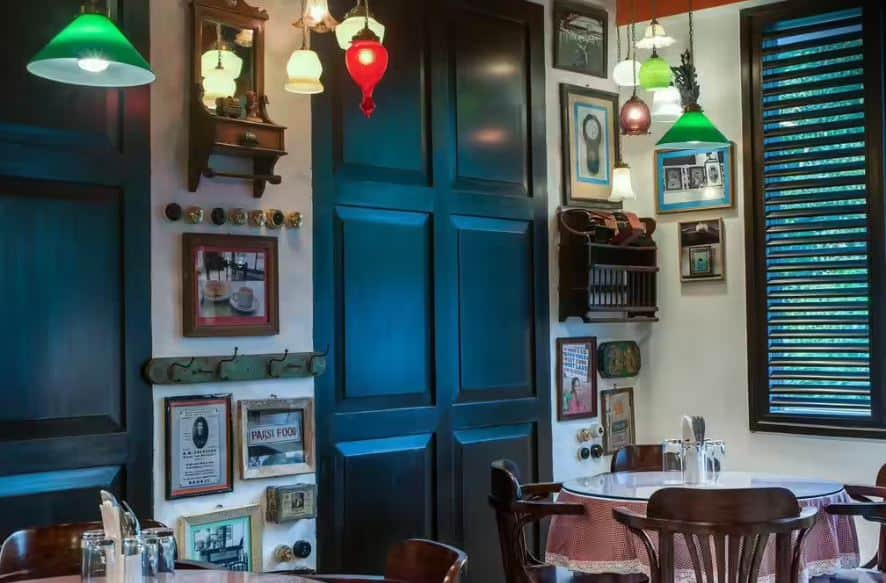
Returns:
(230, 285)
(199, 440)
(576, 378)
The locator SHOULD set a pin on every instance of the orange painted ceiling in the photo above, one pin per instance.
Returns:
(625, 8)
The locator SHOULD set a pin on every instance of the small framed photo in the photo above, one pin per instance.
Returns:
(230, 285)
(576, 378)
(693, 180)
(276, 437)
(291, 503)
(199, 458)
(230, 538)
(590, 141)
(702, 250)
(581, 38)
(618, 419)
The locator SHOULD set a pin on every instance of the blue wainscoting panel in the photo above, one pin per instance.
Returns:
(387, 292)
(495, 295)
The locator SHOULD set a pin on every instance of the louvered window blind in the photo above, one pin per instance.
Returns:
(813, 255)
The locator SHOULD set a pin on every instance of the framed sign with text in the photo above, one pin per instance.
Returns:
(276, 437)
(199, 458)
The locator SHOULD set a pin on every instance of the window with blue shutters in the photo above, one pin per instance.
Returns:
(813, 106)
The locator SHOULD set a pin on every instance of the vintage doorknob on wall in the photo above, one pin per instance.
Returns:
(237, 217)
(258, 218)
(294, 220)
(284, 554)
(194, 215)
(302, 549)
(590, 433)
(173, 211)
(275, 218)
(218, 216)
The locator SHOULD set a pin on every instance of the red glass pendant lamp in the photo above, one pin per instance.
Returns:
(367, 61)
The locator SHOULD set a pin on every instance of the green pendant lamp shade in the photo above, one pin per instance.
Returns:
(692, 130)
(655, 74)
(92, 51)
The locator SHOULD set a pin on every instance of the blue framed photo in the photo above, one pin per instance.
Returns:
(590, 142)
(694, 180)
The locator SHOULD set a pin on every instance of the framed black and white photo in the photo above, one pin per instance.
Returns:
(199, 458)
(702, 250)
(692, 180)
(590, 141)
(276, 437)
(229, 538)
(581, 38)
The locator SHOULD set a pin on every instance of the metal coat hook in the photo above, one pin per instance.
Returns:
(283, 359)
(175, 365)
(221, 363)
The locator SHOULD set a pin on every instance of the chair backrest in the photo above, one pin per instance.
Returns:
(637, 458)
(424, 561)
(50, 551)
(724, 531)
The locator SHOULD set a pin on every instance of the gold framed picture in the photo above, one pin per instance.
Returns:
(618, 419)
(230, 538)
(276, 437)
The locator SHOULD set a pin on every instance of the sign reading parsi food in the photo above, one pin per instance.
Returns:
(267, 434)
(277, 437)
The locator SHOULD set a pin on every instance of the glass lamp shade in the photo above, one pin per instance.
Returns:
(316, 12)
(354, 22)
(304, 70)
(655, 74)
(625, 73)
(367, 61)
(692, 130)
(622, 189)
(230, 62)
(634, 118)
(92, 51)
(655, 37)
(666, 107)
(217, 83)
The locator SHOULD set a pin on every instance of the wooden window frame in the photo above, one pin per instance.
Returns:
(752, 22)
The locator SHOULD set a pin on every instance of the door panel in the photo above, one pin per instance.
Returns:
(75, 414)
(430, 241)
(366, 473)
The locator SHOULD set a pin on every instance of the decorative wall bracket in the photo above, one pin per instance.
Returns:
(236, 367)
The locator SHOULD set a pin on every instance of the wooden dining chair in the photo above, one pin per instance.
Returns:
(517, 505)
(413, 561)
(725, 531)
(869, 509)
(54, 551)
(637, 458)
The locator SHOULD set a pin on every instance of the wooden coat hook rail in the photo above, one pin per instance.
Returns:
(235, 367)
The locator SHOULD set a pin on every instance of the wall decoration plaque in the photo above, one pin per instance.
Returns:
(619, 359)
(276, 437)
(702, 250)
(290, 503)
(198, 447)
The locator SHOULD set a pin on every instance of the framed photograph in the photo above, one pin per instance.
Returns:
(199, 458)
(230, 285)
(618, 419)
(230, 538)
(590, 142)
(576, 378)
(581, 38)
(694, 180)
(290, 503)
(702, 250)
(276, 437)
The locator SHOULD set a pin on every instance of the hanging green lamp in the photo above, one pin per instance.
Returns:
(655, 74)
(693, 129)
(92, 51)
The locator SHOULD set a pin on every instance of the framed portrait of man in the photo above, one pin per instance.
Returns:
(199, 458)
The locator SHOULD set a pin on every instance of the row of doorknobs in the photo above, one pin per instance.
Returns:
(271, 218)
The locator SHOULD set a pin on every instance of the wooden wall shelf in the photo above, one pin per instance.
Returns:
(601, 282)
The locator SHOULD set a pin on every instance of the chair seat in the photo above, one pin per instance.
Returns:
(852, 576)
(551, 574)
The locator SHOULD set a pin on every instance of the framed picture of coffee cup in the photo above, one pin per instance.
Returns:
(276, 437)
(199, 458)
(576, 378)
(590, 142)
(230, 285)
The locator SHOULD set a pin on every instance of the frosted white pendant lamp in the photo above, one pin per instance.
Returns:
(622, 189)
(666, 106)
(217, 83)
(304, 70)
(655, 37)
(221, 59)
(355, 21)
(625, 73)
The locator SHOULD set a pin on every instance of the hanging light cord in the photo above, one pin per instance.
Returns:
(633, 44)
(218, 46)
(366, 20)
(691, 36)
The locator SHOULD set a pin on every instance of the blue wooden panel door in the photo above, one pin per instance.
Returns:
(75, 415)
(431, 280)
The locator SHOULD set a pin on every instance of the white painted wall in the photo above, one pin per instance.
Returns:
(170, 26)
(695, 358)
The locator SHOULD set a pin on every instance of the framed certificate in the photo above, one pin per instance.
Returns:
(199, 458)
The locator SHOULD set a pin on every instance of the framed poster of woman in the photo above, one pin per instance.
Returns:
(576, 378)
(590, 142)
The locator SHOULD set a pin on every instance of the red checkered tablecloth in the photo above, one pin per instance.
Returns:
(596, 543)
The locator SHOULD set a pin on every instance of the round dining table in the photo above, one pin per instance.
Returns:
(596, 543)
(202, 576)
